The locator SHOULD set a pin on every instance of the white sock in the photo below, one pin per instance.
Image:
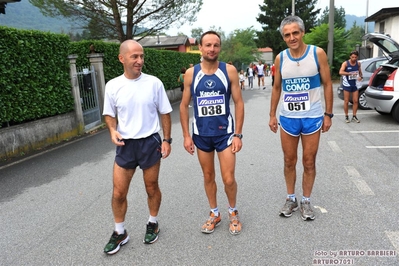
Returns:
(120, 228)
(215, 211)
(232, 209)
(152, 219)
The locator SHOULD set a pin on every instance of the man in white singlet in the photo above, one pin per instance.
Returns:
(300, 71)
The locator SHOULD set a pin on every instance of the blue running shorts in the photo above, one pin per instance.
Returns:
(143, 152)
(209, 144)
(298, 126)
(350, 88)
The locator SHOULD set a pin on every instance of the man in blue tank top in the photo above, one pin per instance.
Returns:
(300, 70)
(351, 72)
(211, 84)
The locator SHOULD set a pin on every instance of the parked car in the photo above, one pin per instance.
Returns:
(368, 66)
(382, 94)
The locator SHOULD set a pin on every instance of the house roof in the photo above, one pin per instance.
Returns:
(383, 14)
(193, 41)
(164, 41)
(265, 50)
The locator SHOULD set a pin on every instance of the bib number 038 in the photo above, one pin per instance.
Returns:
(211, 110)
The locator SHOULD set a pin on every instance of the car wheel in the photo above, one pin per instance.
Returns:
(362, 101)
(395, 112)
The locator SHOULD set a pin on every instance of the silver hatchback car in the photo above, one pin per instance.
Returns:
(382, 94)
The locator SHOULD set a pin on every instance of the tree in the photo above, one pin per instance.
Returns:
(339, 17)
(355, 35)
(319, 36)
(239, 47)
(196, 33)
(273, 12)
(125, 18)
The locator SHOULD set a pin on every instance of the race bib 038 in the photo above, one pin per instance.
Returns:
(211, 105)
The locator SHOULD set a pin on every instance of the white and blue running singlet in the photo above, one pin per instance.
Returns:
(211, 97)
(301, 85)
(350, 80)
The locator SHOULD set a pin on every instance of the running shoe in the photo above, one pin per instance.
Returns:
(235, 224)
(289, 207)
(115, 242)
(306, 211)
(354, 119)
(151, 234)
(211, 223)
(347, 119)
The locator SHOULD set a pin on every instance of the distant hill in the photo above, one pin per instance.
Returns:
(350, 19)
(23, 15)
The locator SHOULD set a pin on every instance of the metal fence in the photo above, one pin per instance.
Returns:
(89, 97)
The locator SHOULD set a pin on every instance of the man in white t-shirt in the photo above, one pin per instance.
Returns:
(260, 71)
(136, 106)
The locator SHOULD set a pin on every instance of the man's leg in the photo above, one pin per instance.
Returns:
(310, 144)
(154, 195)
(227, 161)
(154, 198)
(290, 148)
(346, 103)
(121, 180)
(206, 160)
(355, 101)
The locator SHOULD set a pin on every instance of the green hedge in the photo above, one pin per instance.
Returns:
(34, 80)
(34, 67)
(164, 64)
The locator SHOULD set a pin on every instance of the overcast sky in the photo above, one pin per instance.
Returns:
(241, 14)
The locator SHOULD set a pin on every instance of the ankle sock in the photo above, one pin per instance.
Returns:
(120, 228)
(291, 197)
(232, 209)
(215, 211)
(305, 199)
(152, 219)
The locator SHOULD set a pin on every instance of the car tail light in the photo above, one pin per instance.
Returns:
(388, 86)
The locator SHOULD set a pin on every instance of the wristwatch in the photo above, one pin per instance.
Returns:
(168, 140)
(238, 136)
(330, 115)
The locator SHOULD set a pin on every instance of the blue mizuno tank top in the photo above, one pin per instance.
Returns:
(211, 96)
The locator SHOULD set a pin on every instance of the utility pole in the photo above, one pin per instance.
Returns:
(293, 8)
(330, 47)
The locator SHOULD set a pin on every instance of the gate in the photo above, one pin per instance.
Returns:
(89, 97)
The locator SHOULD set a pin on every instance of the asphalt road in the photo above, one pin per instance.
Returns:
(55, 207)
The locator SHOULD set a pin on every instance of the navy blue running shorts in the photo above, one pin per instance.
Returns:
(350, 88)
(304, 126)
(209, 144)
(143, 152)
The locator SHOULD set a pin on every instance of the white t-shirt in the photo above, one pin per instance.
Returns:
(250, 72)
(260, 69)
(136, 103)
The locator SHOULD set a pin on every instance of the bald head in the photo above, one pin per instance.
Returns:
(128, 45)
(131, 55)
